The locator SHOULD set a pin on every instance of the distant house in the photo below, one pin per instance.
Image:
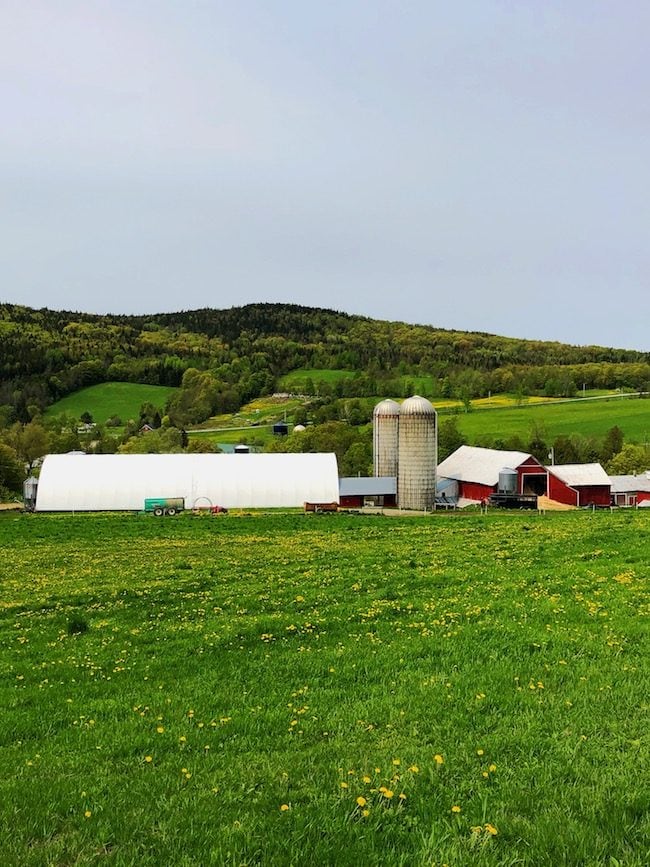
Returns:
(630, 490)
(579, 484)
(476, 472)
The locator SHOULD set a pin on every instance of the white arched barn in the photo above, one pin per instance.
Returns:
(116, 482)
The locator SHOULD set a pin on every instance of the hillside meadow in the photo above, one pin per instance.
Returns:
(338, 689)
(107, 399)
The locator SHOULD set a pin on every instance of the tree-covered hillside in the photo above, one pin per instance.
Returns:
(237, 354)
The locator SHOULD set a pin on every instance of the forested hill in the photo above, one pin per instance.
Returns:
(241, 353)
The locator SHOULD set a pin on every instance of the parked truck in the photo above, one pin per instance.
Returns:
(160, 506)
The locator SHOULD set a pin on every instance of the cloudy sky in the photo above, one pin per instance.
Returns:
(480, 165)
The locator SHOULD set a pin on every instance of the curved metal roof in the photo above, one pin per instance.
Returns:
(387, 407)
(417, 405)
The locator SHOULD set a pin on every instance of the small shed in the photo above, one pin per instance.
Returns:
(280, 428)
(358, 491)
(579, 484)
(630, 490)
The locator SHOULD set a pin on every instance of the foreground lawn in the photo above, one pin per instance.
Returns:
(292, 689)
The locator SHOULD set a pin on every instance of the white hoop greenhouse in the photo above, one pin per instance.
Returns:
(76, 482)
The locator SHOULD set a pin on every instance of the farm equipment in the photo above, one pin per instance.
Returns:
(160, 506)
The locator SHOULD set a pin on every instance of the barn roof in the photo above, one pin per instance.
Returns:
(577, 475)
(629, 484)
(367, 486)
(105, 482)
(474, 464)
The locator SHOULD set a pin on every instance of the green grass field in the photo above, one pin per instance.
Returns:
(123, 399)
(590, 417)
(286, 689)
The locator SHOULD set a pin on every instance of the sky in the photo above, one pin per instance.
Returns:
(481, 165)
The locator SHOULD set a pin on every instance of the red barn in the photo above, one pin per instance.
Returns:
(630, 490)
(579, 485)
(476, 470)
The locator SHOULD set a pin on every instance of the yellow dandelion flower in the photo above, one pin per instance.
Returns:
(480, 752)
(396, 762)
(476, 829)
(492, 768)
(365, 813)
(88, 814)
(438, 759)
(148, 758)
(414, 769)
(402, 796)
(344, 785)
(485, 775)
(387, 793)
(361, 801)
(284, 808)
(366, 779)
(491, 829)
(455, 809)
(182, 739)
(160, 729)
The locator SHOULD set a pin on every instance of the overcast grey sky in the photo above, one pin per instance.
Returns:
(479, 165)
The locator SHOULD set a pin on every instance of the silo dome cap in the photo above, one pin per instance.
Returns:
(387, 407)
(417, 405)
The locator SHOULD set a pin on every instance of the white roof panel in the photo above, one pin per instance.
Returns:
(629, 484)
(576, 475)
(474, 464)
(105, 482)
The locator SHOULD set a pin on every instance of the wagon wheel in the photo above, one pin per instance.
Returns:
(158, 512)
(171, 511)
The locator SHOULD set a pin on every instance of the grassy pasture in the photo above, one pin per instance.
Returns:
(111, 398)
(290, 689)
(589, 417)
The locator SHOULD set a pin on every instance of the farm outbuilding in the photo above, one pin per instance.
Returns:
(630, 490)
(477, 472)
(358, 491)
(123, 482)
(579, 484)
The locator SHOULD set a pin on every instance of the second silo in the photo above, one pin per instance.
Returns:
(418, 454)
(385, 430)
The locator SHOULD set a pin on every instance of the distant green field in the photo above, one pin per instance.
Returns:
(297, 378)
(590, 418)
(288, 689)
(123, 399)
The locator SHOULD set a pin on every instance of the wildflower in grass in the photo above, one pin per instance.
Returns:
(284, 808)
(88, 814)
(455, 809)
(480, 752)
(396, 762)
(148, 759)
(344, 785)
(361, 801)
(485, 775)
(160, 729)
(402, 796)
(387, 793)
(414, 769)
(365, 813)
(492, 768)
(366, 779)
(476, 829)
(438, 759)
(491, 829)
(182, 739)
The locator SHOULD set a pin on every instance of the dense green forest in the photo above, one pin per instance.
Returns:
(218, 360)
(241, 353)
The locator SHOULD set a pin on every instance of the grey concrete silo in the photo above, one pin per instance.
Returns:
(385, 443)
(418, 454)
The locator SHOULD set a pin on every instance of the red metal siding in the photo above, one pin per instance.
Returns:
(560, 492)
(475, 491)
(598, 495)
(642, 496)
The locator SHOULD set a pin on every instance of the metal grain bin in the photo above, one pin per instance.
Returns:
(385, 433)
(418, 454)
